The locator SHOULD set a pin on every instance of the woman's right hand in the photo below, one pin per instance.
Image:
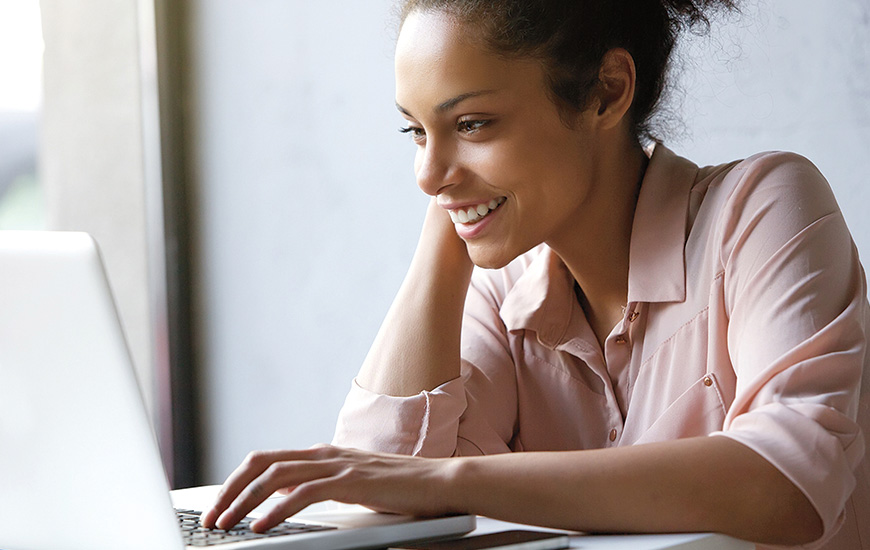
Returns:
(417, 347)
(439, 244)
(384, 482)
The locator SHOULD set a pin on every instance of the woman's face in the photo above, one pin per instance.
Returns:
(491, 145)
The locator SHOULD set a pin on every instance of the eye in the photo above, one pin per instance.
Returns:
(417, 134)
(470, 126)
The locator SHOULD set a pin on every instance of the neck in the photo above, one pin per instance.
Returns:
(597, 252)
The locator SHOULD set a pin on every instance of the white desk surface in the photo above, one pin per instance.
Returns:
(200, 498)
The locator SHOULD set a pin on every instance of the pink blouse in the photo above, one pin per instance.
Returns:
(747, 318)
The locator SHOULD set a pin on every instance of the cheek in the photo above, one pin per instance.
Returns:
(499, 164)
(525, 155)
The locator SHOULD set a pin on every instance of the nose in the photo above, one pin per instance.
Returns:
(436, 168)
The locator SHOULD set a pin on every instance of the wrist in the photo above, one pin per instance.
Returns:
(454, 484)
(440, 247)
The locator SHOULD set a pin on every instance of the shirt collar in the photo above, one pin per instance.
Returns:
(542, 299)
(657, 263)
(538, 299)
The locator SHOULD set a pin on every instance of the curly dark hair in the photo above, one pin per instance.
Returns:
(571, 38)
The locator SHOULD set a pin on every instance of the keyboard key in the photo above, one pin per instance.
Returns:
(196, 535)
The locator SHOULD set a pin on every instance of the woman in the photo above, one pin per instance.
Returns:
(675, 348)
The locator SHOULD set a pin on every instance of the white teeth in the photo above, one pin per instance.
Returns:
(475, 213)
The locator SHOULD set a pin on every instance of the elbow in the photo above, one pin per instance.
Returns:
(794, 518)
(770, 508)
(802, 525)
(783, 518)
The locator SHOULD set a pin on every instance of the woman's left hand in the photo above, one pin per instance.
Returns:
(388, 483)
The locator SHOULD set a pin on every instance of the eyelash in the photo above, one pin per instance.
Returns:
(471, 126)
(415, 132)
(466, 126)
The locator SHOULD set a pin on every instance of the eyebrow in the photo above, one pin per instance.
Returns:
(450, 103)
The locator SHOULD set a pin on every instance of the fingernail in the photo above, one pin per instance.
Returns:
(223, 521)
(257, 526)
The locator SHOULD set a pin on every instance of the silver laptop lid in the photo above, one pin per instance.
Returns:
(75, 441)
(79, 463)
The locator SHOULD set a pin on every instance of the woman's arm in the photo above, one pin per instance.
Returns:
(698, 484)
(409, 397)
(417, 347)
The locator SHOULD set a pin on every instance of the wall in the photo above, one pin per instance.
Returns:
(307, 212)
(91, 160)
(306, 208)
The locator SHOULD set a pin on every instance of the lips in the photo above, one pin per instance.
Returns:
(473, 214)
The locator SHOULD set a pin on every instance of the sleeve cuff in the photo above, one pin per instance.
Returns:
(425, 424)
(819, 461)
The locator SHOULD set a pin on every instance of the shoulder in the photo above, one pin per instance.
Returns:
(776, 183)
(750, 209)
(781, 170)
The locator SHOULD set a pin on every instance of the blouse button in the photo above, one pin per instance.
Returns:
(620, 339)
(613, 434)
(708, 381)
(632, 316)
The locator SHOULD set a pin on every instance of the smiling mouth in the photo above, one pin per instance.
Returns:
(474, 214)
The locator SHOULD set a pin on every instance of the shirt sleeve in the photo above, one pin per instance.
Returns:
(470, 415)
(797, 335)
(420, 425)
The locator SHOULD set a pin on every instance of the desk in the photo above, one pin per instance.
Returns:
(696, 541)
(200, 498)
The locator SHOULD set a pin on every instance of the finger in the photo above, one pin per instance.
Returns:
(252, 467)
(284, 491)
(301, 497)
(239, 478)
(278, 475)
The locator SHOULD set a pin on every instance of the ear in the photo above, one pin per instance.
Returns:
(616, 82)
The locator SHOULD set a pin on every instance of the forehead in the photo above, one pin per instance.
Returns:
(438, 58)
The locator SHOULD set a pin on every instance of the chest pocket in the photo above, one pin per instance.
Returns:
(699, 411)
(681, 389)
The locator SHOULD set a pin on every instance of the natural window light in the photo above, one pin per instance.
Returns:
(21, 47)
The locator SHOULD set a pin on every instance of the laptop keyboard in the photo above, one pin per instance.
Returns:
(195, 534)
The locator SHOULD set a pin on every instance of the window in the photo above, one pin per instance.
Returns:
(21, 198)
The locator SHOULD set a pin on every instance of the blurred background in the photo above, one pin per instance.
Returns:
(239, 164)
(21, 201)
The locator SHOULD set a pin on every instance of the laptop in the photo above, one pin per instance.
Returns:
(79, 463)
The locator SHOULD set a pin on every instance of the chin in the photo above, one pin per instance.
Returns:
(490, 259)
